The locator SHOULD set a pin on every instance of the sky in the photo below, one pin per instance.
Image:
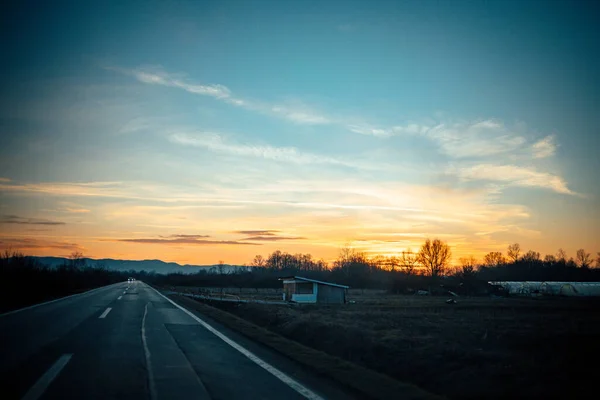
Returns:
(197, 132)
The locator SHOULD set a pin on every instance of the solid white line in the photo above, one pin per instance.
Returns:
(298, 387)
(36, 391)
(119, 298)
(55, 300)
(105, 313)
(147, 353)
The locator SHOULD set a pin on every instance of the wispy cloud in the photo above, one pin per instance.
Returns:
(273, 238)
(184, 236)
(259, 232)
(470, 139)
(77, 210)
(14, 219)
(157, 76)
(370, 130)
(514, 176)
(217, 143)
(475, 139)
(36, 244)
(267, 236)
(545, 147)
(4, 179)
(301, 116)
(184, 240)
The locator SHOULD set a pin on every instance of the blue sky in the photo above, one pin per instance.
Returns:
(325, 123)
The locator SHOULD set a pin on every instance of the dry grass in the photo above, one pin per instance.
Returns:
(478, 348)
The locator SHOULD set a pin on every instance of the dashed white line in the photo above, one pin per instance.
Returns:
(119, 298)
(38, 389)
(105, 313)
(297, 386)
(148, 361)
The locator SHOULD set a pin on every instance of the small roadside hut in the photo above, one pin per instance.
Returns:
(303, 290)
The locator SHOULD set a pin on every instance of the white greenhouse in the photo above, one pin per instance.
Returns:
(532, 288)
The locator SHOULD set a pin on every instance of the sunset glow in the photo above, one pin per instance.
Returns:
(230, 134)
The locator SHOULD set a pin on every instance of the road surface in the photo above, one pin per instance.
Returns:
(128, 341)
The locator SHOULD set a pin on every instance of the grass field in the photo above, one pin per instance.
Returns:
(477, 348)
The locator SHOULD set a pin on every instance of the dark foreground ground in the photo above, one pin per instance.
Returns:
(478, 348)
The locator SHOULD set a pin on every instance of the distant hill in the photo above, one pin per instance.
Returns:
(156, 266)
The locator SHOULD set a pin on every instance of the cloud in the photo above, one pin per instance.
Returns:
(301, 116)
(513, 175)
(470, 139)
(370, 130)
(184, 240)
(187, 236)
(258, 232)
(4, 179)
(157, 76)
(266, 236)
(474, 139)
(103, 189)
(273, 238)
(77, 210)
(545, 147)
(36, 244)
(216, 143)
(14, 219)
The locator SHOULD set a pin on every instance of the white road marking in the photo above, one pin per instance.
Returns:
(298, 387)
(119, 298)
(147, 353)
(55, 300)
(105, 313)
(38, 389)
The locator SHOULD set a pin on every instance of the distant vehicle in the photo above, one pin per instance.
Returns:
(130, 279)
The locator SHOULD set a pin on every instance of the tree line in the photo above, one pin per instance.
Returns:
(432, 259)
(425, 269)
(25, 281)
(429, 266)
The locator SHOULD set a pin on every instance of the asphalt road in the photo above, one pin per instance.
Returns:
(128, 341)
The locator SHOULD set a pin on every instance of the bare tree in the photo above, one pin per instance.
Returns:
(598, 260)
(561, 256)
(380, 261)
(322, 265)
(514, 250)
(467, 267)
(434, 256)
(393, 263)
(76, 259)
(531, 256)
(408, 261)
(584, 259)
(258, 261)
(274, 260)
(494, 259)
(549, 259)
